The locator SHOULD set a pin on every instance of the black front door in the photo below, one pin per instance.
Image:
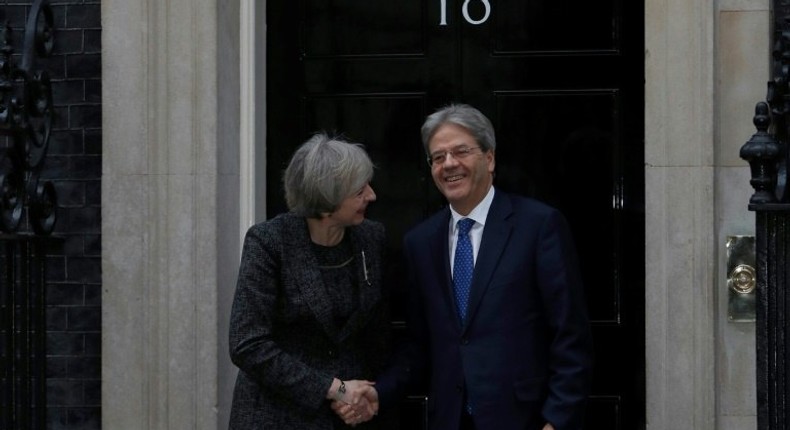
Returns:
(562, 81)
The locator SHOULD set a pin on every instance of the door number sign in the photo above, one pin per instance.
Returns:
(465, 10)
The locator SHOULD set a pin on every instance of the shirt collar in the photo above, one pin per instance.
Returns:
(479, 213)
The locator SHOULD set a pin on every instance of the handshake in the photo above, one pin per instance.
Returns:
(354, 401)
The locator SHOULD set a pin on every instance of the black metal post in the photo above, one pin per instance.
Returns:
(24, 336)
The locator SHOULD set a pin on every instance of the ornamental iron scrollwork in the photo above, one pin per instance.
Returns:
(26, 116)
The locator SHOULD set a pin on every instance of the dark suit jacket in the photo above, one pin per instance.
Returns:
(524, 354)
(283, 336)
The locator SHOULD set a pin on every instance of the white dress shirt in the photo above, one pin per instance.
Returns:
(479, 214)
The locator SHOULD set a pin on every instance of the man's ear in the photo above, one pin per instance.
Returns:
(491, 160)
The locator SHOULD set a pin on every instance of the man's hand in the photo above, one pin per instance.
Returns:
(360, 403)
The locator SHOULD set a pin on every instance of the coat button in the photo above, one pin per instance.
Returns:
(459, 388)
(331, 353)
(464, 341)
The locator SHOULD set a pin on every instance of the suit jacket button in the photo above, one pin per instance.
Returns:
(459, 388)
(464, 341)
(331, 353)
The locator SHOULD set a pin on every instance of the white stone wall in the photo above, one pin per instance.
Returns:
(706, 67)
(743, 61)
(680, 241)
(170, 199)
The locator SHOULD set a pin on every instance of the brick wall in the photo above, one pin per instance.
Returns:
(73, 163)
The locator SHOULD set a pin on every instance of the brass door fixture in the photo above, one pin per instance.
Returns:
(741, 279)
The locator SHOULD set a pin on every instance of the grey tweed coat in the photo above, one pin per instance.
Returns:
(283, 337)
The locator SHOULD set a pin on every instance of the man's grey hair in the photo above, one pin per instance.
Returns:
(465, 116)
(322, 173)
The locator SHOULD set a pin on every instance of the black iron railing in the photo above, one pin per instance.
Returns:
(769, 159)
(28, 210)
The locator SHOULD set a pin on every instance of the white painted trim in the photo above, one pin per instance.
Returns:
(247, 116)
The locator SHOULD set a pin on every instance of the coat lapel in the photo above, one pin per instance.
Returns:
(304, 269)
(495, 237)
(368, 269)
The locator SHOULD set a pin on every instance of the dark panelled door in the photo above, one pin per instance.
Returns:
(562, 81)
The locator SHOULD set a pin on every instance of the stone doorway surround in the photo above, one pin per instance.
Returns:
(175, 124)
(170, 210)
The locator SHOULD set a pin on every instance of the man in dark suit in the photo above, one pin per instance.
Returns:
(497, 315)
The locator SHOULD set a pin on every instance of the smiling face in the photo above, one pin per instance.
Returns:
(464, 182)
(351, 210)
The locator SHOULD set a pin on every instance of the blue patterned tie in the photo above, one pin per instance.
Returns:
(463, 266)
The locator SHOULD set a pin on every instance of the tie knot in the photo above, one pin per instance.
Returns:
(464, 225)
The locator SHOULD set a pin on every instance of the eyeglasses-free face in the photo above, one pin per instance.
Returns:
(352, 209)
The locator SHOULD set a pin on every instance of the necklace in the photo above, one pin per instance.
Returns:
(337, 266)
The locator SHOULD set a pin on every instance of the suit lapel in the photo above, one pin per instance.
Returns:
(438, 245)
(304, 269)
(495, 237)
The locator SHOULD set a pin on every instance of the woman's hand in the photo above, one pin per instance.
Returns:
(357, 401)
